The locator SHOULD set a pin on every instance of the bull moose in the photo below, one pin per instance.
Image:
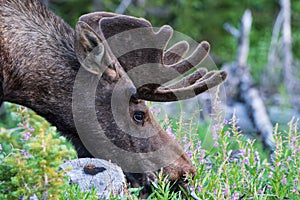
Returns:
(41, 56)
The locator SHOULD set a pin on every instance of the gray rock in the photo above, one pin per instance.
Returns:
(107, 178)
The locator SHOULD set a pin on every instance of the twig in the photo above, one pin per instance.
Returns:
(123, 6)
(275, 38)
(243, 48)
(232, 30)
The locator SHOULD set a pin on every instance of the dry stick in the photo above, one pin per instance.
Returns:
(97, 5)
(271, 77)
(274, 42)
(287, 40)
(123, 6)
(289, 71)
(243, 49)
(280, 56)
(249, 94)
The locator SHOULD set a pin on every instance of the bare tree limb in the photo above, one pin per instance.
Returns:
(243, 49)
(242, 82)
(289, 78)
(232, 30)
(271, 76)
(97, 5)
(257, 110)
(242, 35)
(123, 6)
(275, 37)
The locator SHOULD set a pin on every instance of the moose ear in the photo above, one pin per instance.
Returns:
(89, 48)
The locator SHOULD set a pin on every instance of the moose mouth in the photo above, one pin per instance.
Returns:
(145, 180)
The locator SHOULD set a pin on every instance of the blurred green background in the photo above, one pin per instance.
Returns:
(201, 20)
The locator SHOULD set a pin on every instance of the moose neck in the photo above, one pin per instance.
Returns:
(39, 67)
(37, 60)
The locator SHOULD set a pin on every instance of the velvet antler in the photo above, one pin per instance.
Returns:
(141, 53)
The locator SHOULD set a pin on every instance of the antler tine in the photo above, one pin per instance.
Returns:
(175, 53)
(193, 60)
(189, 86)
(162, 94)
(92, 19)
(189, 80)
(134, 43)
(133, 40)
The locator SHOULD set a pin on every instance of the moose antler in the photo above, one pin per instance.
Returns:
(141, 53)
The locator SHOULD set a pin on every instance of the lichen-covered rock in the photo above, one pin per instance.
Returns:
(107, 178)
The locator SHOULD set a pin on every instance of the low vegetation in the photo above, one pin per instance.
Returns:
(229, 165)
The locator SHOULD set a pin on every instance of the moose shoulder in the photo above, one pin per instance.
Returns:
(41, 56)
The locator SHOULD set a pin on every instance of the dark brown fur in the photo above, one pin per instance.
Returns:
(38, 62)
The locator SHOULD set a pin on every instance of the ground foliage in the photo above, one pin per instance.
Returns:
(32, 152)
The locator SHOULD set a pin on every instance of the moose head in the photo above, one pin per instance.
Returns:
(132, 67)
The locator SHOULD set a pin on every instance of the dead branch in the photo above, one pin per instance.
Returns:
(123, 6)
(97, 5)
(287, 40)
(246, 93)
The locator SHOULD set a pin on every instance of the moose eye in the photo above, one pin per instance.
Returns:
(139, 117)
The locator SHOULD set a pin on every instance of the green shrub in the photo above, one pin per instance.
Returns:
(31, 152)
(30, 158)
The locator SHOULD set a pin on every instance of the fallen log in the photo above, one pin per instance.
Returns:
(241, 89)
